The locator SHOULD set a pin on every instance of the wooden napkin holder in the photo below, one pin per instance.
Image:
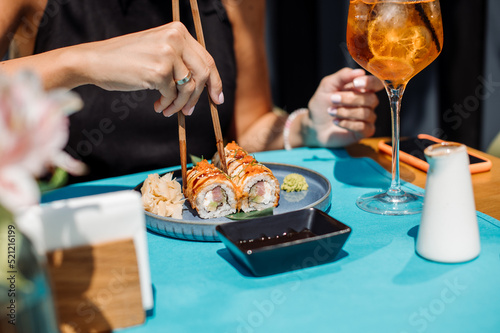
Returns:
(96, 288)
(97, 259)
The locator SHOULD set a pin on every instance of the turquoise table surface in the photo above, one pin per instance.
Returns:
(376, 284)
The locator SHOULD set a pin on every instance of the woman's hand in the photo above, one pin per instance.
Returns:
(155, 59)
(341, 110)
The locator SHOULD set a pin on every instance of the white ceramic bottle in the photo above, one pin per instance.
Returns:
(448, 230)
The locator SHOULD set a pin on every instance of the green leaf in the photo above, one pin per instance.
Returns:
(195, 159)
(251, 215)
(59, 179)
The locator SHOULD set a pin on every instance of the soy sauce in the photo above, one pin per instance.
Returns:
(288, 236)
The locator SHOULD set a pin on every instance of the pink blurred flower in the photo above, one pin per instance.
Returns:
(33, 132)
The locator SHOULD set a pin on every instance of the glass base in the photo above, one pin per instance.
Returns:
(405, 203)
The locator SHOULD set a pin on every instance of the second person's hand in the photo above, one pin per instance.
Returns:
(341, 111)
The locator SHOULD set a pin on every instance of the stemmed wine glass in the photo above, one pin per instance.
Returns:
(394, 40)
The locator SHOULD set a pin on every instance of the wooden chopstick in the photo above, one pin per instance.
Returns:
(175, 10)
(181, 119)
(213, 107)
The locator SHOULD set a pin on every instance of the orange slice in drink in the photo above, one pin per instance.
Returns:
(390, 69)
(407, 42)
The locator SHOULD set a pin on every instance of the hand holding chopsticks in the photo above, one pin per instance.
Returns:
(213, 108)
(183, 70)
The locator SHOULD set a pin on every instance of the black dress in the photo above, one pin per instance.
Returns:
(118, 133)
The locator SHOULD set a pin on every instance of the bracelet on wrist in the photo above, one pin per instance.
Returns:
(288, 125)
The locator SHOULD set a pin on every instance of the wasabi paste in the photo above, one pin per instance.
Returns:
(294, 183)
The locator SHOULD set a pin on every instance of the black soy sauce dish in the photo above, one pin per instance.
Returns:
(285, 242)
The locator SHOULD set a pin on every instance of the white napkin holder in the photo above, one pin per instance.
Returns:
(105, 233)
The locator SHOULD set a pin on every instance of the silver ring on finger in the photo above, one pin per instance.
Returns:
(184, 80)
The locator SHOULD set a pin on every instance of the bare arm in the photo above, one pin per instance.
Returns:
(18, 28)
(329, 123)
(254, 127)
(150, 59)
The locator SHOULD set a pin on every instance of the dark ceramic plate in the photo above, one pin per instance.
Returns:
(280, 243)
(192, 227)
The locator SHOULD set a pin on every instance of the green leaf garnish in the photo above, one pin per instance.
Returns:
(195, 159)
(251, 215)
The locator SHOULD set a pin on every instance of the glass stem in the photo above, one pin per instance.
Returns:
(395, 96)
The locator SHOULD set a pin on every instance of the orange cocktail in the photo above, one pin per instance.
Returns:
(394, 40)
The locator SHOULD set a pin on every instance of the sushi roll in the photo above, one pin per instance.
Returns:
(259, 188)
(210, 191)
